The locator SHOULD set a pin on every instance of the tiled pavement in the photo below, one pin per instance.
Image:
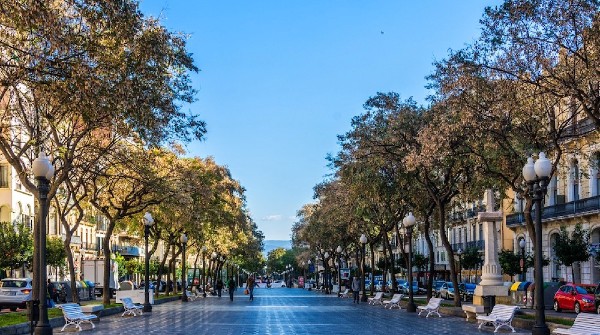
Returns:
(282, 311)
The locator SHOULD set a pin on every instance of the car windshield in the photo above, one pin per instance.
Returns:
(14, 283)
(439, 284)
(450, 285)
(584, 289)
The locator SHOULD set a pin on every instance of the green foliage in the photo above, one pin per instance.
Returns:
(55, 252)
(471, 258)
(279, 258)
(133, 266)
(420, 261)
(510, 262)
(16, 245)
(574, 248)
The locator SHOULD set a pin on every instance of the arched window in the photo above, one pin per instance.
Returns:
(595, 175)
(574, 175)
(554, 264)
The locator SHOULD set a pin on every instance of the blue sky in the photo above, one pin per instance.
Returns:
(280, 80)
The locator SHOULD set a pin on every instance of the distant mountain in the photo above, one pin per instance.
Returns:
(274, 244)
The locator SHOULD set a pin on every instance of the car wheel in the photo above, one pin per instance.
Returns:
(598, 309)
(577, 308)
(13, 309)
(556, 308)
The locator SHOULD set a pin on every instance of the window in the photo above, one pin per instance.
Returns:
(4, 176)
(575, 180)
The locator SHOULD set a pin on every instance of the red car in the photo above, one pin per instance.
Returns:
(575, 297)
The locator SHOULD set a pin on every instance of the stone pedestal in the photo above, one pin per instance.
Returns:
(491, 272)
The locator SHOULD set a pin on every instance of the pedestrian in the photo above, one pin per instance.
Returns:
(355, 289)
(50, 294)
(250, 287)
(219, 287)
(231, 287)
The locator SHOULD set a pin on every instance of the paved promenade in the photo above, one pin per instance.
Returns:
(281, 311)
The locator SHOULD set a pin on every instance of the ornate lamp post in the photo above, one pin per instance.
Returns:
(338, 250)
(183, 239)
(459, 253)
(537, 177)
(522, 244)
(303, 274)
(363, 242)
(326, 279)
(309, 262)
(148, 222)
(409, 222)
(43, 171)
(204, 271)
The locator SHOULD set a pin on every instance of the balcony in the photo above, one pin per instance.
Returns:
(479, 244)
(128, 250)
(90, 246)
(571, 209)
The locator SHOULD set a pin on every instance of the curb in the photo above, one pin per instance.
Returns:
(23, 328)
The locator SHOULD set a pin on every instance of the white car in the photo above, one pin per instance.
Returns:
(15, 292)
(277, 284)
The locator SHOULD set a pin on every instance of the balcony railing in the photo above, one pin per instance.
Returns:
(570, 209)
(479, 244)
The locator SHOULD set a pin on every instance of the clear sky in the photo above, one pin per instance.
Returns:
(280, 79)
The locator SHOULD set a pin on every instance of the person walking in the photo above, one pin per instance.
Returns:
(50, 296)
(219, 287)
(231, 287)
(355, 289)
(250, 283)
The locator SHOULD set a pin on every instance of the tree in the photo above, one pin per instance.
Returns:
(16, 245)
(574, 248)
(509, 262)
(56, 254)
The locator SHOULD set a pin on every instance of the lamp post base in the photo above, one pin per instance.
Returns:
(43, 330)
(147, 308)
(184, 298)
(363, 298)
(411, 307)
(540, 330)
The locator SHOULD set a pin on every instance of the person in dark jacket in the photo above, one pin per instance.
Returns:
(219, 287)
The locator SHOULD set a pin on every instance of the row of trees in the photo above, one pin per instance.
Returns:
(101, 88)
(519, 88)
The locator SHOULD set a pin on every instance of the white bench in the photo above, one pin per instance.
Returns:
(433, 306)
(74, 316)
(585, 324)
(501, 315)
(345, 294)
(394, 302)
(130, 307)
(377, 299)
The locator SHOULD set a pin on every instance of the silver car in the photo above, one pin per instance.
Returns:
(15, 292)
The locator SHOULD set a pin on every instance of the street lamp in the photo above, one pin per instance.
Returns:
(537, 177)
(303, 274)
(326, 281)
(43, 171)
(409, 222)
(363, 242)
(309, 262)
(204, 271)
(522, 244)
(459, 253)
(148, 221)
(183, 239)
(338, 250)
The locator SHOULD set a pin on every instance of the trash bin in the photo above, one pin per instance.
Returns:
(488, 303)
(518, 293)
(550, 289)
(514, 299)
(91, 288)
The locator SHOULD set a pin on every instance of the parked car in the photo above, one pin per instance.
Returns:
(466, 290)
(436, 288)
(15, 292)
(403, 288)
(576, 297)
(447, 290)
